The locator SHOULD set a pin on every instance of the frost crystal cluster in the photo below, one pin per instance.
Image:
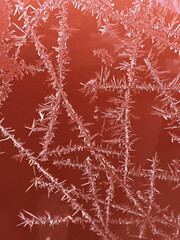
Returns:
(90, 101)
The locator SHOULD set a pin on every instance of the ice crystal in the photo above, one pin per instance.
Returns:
(102, 122)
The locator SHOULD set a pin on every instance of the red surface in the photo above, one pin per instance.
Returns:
(19, 110)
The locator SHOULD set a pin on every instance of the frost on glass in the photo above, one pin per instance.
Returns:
(90, 101)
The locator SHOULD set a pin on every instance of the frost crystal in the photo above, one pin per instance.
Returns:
(96, 114)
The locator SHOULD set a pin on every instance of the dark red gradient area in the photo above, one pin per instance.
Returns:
(89, 119)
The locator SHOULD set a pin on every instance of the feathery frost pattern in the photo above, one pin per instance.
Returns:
(96, 62)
